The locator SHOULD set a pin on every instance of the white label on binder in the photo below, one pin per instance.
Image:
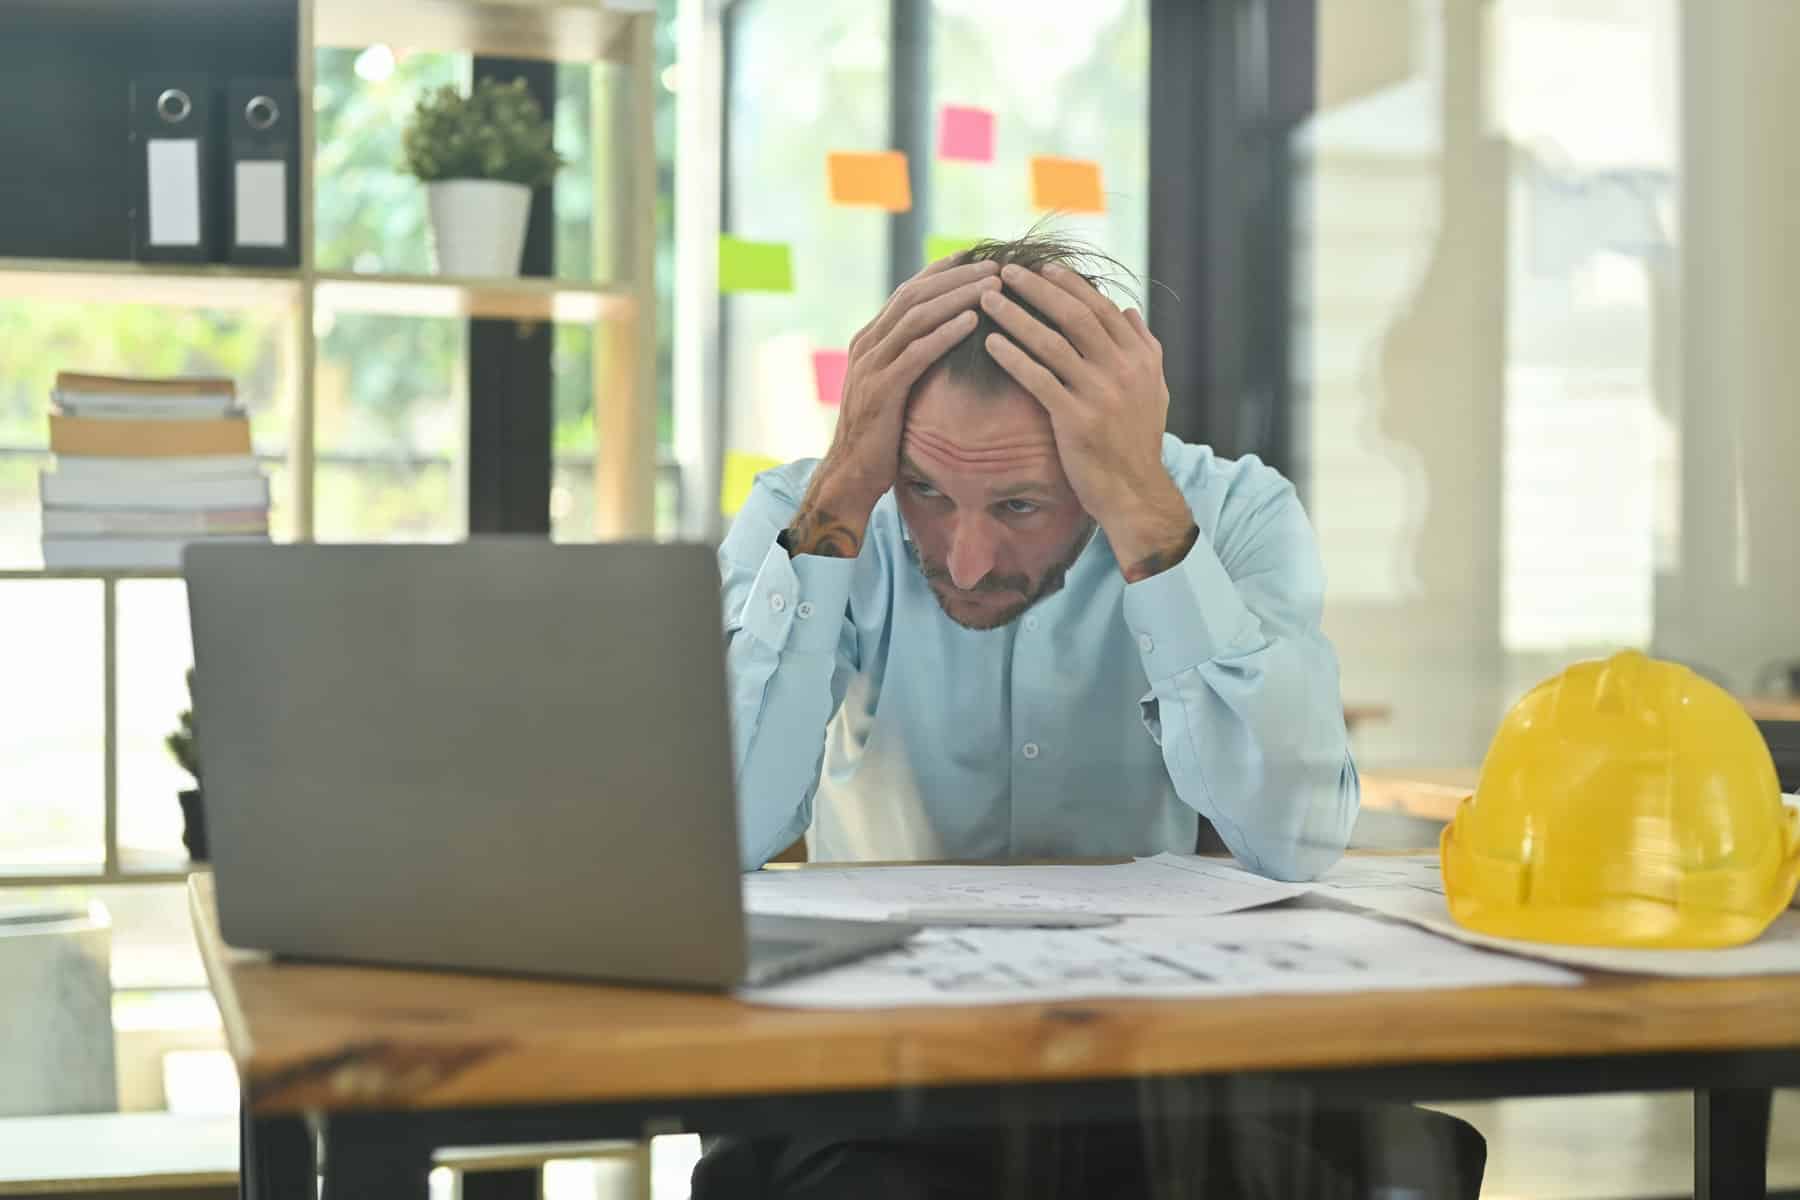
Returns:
(174, 191)
(261, 203)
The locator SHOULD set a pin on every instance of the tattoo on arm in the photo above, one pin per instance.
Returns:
(1162, 560)
(816, 531)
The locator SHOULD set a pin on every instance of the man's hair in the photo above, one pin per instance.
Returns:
(968, 362)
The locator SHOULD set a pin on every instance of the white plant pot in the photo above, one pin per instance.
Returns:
(478, 225)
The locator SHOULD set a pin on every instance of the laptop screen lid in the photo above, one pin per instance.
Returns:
(501, 755)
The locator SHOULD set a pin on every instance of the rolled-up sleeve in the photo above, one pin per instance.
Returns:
(790, 653)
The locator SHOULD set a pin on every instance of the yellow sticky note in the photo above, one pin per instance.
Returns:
(938, 246)
(746, 266)
(875, 180)
(740, 475)
(1066, 184)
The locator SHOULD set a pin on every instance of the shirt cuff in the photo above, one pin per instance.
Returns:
(1187, 615)
(798, 603)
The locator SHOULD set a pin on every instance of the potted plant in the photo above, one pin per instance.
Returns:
(181, 744)
(479, 156)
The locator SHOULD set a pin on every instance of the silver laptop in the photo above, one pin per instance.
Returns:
(504, 755)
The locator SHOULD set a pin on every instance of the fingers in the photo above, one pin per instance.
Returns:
(932, 282)
(918, 356)
(1033, 376)
(1079, 320)
(1050, 347)
(926, 316)
(1142, 328)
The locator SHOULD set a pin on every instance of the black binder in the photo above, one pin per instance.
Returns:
(262, 136)
(172, 147)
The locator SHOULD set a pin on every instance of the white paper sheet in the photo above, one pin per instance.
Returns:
(1167, 885)
(1776, 952)
(1252, 953)
(1360, 872)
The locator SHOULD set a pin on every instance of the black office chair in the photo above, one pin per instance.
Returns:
(1784, 745)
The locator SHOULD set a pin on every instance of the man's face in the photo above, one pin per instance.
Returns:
(994, 522)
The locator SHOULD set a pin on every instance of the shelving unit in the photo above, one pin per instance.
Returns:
(620, 310)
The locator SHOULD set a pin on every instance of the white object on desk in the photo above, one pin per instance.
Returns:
(1279, 951)
(1167, 885)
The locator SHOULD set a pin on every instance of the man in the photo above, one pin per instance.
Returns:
(1007, 616)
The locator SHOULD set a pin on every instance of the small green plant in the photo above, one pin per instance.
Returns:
(498, 131)
(181, 742)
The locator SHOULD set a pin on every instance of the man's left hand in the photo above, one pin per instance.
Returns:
(1101, 381)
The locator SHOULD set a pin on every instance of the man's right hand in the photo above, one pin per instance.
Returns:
(924, 318)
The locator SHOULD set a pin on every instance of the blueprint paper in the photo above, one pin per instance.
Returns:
(1279, 951)
(1168, 885)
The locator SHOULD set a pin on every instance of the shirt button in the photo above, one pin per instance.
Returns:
(804, 609)
(1029, 750)
(1031, 624)
(778, 602)
(1145, 644)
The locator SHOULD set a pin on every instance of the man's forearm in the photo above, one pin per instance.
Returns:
(1152, 534)
(830, 522)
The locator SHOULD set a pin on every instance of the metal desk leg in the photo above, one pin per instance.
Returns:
(1731, 1144)
(502, 1185)
(369, 1157)
(275, 1157)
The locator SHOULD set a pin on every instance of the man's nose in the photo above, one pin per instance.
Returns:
(971, 552)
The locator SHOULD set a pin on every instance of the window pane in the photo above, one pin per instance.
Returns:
(805, 79)
(42, 338)
(1069, 78)
(391, 428)
(155, 652)
(52, 781)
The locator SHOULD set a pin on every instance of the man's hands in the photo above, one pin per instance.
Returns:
(1101, 381)
(922, 320)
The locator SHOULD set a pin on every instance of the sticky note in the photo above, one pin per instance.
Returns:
(829, 369)
(965, 134)
(1067, 184)
(740, 475)
(754, 266)
(875, 180)
(938, 246)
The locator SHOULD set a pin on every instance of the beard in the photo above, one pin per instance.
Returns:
(997, 600)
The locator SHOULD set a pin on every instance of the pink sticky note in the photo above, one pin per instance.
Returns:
(829, 369)
(966, 134)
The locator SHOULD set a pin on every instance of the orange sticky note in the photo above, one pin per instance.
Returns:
(876, 180)
(1068, 184)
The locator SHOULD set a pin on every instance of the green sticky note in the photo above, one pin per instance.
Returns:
(754, 266)
(938, 245)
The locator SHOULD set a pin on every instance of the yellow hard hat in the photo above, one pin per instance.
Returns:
(1624, 802)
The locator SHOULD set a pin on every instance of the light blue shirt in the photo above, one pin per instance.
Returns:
(1100, 722)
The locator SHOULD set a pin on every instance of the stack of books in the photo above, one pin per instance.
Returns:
(145, 466)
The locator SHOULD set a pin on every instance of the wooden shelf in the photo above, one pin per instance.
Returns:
(168, 285)
(526, 299)
(570, 31)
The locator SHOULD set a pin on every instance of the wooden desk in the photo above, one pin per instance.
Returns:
(399, 1062)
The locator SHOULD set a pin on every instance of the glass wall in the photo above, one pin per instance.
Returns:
(1488, 242)
(1066, 79)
